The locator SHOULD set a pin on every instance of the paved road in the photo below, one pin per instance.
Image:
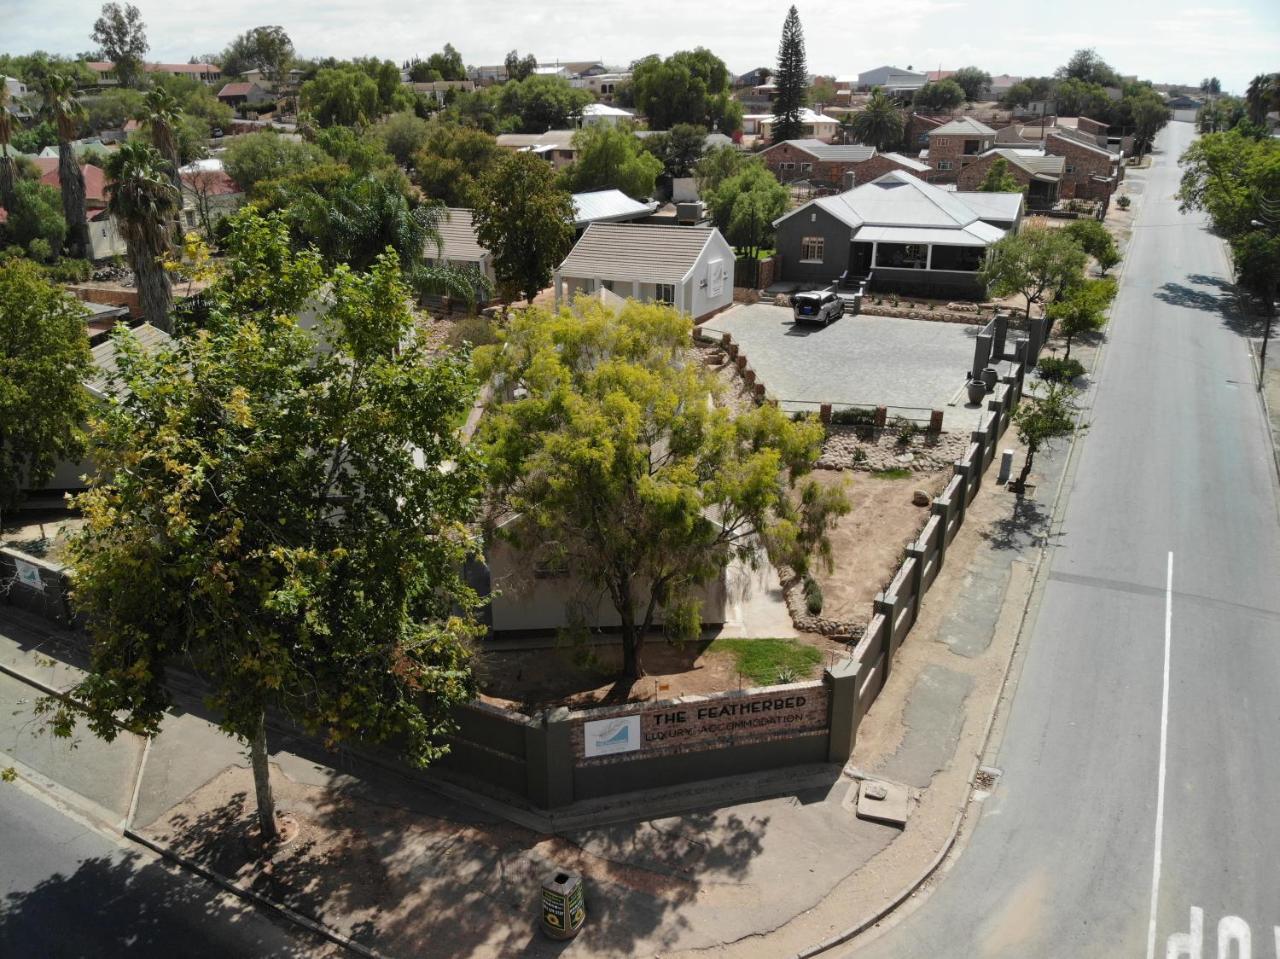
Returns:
(69, 891)
(1176, 462)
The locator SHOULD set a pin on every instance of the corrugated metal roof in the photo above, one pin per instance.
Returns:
(459, 238)
(604, 110)
(636, 251)
(907, 162)
(836, 153)
(151, 339)
(608, 205)
(976, 234)
(992, 206)
(897, 199)
(963, 126)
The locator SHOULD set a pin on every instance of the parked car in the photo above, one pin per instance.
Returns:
(216, 133)
(817, 306)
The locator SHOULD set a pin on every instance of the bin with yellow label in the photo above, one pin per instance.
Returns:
(563, 907)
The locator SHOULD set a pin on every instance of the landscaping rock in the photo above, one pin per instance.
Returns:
(920, 498)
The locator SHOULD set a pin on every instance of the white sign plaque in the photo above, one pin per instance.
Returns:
(603, 737)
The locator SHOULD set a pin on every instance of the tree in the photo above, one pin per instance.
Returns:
(1149, 117)
(938, 97)
(1262, 96)
(1096, 240)
(261, 157)
(1032, 263)
(58, 91)
(690, 86)
(745, 205)
(277, 518)
(403, 135)
(791, 80)
(518, 67)
(1082, 309)
(678, 149)
(525, 221)
(122, 35)
(611, 158)
(879, 124)
(1087, 65)
(1042, 420)
(35, 213)
(541, 103)
(999, 179)
(618, 467)
(1076, 98)
(1255, 257)
(268, 49)
(973, 81)
(1211, 86)
(142, 198)
(345, 95)
(160, 117)
(44, 361)
(822, 92)
(452, 162)
(718, 165)
(448, 64)
(8, 167)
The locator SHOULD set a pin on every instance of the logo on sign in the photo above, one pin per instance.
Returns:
(605, 737)
(28, 574)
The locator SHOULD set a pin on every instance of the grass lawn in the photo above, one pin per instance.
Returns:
(761, 660)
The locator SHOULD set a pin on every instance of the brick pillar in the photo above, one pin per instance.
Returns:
(935, 421)
(824, 412)
(882, 416)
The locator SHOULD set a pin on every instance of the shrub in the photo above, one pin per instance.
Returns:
(812, 596)
(472, 331)
(1059, 371)
(1123, 203)
(69, 271)
(904, 429)
(854, 416)
(859, 455)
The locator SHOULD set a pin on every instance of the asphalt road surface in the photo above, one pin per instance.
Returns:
(69, 891)
(1130, 821)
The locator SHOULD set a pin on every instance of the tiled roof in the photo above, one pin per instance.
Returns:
(963, 126)
(1039, 165)
(211, 182)
(636, 251)
(95, 182)
(459, 238)
(240, 88)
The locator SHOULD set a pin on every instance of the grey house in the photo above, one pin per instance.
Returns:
(897, 233)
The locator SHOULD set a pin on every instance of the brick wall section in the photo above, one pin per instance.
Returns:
(1095, 128)
(830, 173)
(972, 174)
(1083, 164)
(697, 723)
(952, 150)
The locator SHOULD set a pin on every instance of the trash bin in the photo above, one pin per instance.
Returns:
(563, 908)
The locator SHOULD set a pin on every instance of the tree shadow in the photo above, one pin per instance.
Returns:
(1213, 294)
(372, 864)
(134, 906)
(1028, 526)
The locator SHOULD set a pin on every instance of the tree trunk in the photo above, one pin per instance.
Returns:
(1026, 468)
(1067, 355)
(71, 179)
(262, 782)
(632, 642)
(155, 294)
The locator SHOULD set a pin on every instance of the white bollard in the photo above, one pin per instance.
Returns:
(1006, 467)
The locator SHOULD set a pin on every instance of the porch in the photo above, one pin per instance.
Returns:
(923, 268)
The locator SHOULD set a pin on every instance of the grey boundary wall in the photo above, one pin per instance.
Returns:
(542, 759)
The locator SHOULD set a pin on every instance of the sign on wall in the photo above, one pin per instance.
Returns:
(604, 737)
(28, 574)
(708, 723)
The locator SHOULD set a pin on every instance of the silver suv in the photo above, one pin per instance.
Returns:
(817, 306)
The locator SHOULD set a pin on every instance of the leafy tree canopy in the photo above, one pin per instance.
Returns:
(122, 36)
(538, 103)
(999, 179)
(678, 149)
(44, 361)
(1087, 65)
(452, 161)
(1032, 263)
(268, 49)
(258, 157)
(973, 81)
(745, 205)
(611, 158)
(690, 86)
(939, 97)
(518, 67)
(35, 215)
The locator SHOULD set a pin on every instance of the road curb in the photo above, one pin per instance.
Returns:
(257, 899)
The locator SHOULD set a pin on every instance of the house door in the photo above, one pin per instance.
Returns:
(860, 259)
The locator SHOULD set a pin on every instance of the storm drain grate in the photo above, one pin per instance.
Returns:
(986, 778)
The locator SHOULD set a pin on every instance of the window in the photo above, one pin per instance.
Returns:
(806, 167)
(665, 293)
(788, 165)
(1069, 168)
(811, 249)
(944, 164)
(940, 141)
(607, 284)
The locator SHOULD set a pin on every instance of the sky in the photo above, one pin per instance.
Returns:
(1181, 43)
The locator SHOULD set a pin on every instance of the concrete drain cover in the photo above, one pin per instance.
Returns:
(985, 780)
(883, 801)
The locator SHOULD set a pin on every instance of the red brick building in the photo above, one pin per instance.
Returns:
(955, 145)
(1090, 172)
(840, 166)
(1038, 174)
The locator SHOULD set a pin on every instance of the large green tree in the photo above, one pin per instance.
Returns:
(1150, 115)
(745, 205)
(277, 518)
(8, 167)
(1033, 263)
(619, 469)
(44, 361)
(678, 149)
(1087, 65)
(268, 49)
(791, 80)
(35, 214)
(999, 179)
(122, 36)
(142, 198)
(539, 103)
(345, 95)
(973, 81)
(403, 135)
(525, 220)
(690, 86)
(878, 124)
(518, 67)
(58, 92)
(452, 162)
(1262, 96)
(611, 158)
(939, 97)
(1096, 240)
(260, 157)
(1082, 309)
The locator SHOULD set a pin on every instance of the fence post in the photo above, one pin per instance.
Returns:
(842, 715)
(882, 605)
(917, 581)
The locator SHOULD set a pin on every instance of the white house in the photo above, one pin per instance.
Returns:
(601, 114)
(690, 268)
(817, 126)
(460, 248)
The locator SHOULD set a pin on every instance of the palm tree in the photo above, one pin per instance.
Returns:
(58, 91)
(880, 124)
(8, 169)
(1263, 96)
(143, 200)
(159, 116)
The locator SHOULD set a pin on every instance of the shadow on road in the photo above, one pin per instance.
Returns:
(1212, 294)
(1028, 525)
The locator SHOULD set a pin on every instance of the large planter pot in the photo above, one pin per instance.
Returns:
(977, 391)
(990, 376)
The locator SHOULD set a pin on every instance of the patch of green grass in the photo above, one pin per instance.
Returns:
(761, 660)
(894, 472)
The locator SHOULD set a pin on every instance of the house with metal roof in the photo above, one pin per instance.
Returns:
(896, 233)
(554, 146)
(608, 206)
(816, 125)
(892, 80)
(832, 165)
(690, 268)
(1038, 173)
(601, 114)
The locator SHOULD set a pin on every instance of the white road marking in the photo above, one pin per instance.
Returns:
(1188, 945)
(1164, 745)
(1235, 939)
(1233, 929)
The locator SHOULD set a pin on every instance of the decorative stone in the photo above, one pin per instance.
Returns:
(920, 498)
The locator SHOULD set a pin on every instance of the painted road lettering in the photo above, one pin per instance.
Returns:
(1235, 939)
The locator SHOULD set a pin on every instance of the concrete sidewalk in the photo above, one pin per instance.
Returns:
(404, 869)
